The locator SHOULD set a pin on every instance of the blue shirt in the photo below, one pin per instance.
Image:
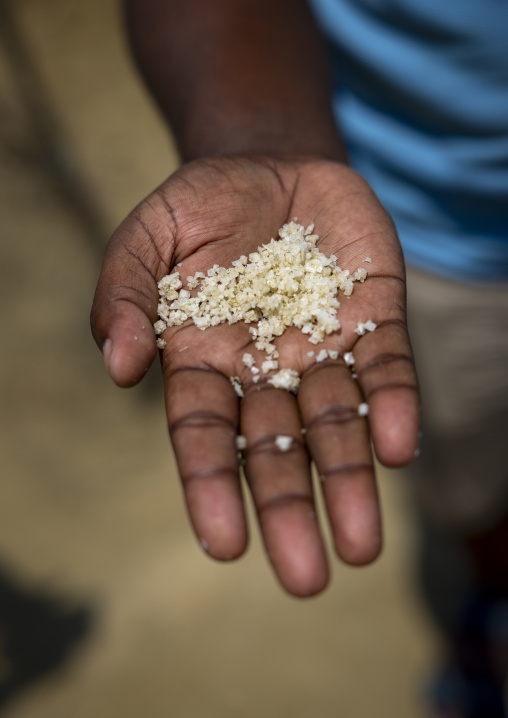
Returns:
(422, 102)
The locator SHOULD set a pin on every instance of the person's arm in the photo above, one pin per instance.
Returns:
(236, 76)
(243, 84)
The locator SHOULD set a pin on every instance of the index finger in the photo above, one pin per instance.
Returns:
(202, 412)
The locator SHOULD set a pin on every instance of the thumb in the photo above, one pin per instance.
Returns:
(125, 303)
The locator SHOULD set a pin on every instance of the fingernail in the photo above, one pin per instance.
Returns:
(107, 351)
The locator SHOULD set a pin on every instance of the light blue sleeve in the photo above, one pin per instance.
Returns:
(422, 102)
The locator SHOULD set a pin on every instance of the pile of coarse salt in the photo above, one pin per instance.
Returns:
(288, 282)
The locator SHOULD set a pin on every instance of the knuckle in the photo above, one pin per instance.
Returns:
(209, 473)
(347, 469)
(390, 386)
(334, 416)
(382, 360)
(283, 501)
(201, 420)
(266, 445)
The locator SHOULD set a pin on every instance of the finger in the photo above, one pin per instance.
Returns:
(387, 376)
(202, 411)
(338, 440)
(281, 487)
(126, 298)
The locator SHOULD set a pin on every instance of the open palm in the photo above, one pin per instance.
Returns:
(211, 212)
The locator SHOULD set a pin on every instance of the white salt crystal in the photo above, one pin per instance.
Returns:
(284, 442)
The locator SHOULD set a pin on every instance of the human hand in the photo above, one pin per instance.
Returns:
(211, 212)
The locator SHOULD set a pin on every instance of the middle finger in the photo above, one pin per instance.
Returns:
(278, 473)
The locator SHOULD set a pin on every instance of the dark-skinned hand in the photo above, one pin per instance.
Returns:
(211, 212)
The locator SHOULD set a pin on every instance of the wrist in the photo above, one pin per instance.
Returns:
(256, 135)
(237, 78)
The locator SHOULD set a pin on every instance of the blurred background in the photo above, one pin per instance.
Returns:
(108, 607)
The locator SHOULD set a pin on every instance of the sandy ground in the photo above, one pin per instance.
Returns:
(91, 508)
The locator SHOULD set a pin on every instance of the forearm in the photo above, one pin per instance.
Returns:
(236, 76)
